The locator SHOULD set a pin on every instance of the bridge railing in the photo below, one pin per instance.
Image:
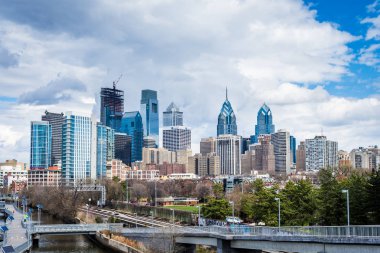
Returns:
(314, 231)
(67, 228)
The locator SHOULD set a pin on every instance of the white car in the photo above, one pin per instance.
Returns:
(235, 220)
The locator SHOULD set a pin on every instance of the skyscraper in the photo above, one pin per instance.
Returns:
(123, 147)
(301, 157)
(132, 125)
(264, 155)
(111, 107)
(40, 145)
(101, 151)
(226, 119)
(207, 145)
(264, 123)
(77, 148)
(56, 121)
(281, 144)
(293, 154)
(228, 148)
(149, 114)
(320, 153)
(172, 116)
(177, 138)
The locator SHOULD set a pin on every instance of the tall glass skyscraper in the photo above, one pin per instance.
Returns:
(76, 148)
(123, 144)
(101, 151)
(40, 145)
(56, 121)
(264, 123)
(132, 125)
(149, 114)
(227, 119)
(172, 116)
(293, 147)
(111, 107)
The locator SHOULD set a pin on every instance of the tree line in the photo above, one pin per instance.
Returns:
(304, 204)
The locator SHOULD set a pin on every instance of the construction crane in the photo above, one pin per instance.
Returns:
(115, 82)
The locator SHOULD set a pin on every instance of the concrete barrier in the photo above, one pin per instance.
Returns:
(115, 245)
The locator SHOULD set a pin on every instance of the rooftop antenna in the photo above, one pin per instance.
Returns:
(116, 81)
(226, 93)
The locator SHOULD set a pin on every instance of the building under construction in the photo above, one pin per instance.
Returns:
(112, 106)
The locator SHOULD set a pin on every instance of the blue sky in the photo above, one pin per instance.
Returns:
(315, 63)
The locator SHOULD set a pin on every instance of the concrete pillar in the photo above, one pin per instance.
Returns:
(35, 239)
(224, 246)
(184, 248)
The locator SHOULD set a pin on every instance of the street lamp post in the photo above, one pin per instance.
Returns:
(233, 210)
(199, 216)
(172, 217)
(87, 213)
(155, 193)
(348, 205)
(279, 211)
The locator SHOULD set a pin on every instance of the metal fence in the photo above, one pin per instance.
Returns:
(67, 228)
(314, 231)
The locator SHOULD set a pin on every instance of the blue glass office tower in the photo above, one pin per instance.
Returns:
(227, 119)
(293, 149)
(76, 148)
(40, 145)
(132, 125)
(264, 122)
(149, 114)
(105, 149)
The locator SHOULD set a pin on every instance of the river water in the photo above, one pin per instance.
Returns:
(66, 243)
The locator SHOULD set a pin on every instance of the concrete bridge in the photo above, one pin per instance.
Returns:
(353, 239)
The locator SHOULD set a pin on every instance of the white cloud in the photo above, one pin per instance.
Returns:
(189, 52)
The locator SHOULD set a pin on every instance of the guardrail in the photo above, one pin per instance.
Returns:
(312, 231)
(71, 228)
(23, 247)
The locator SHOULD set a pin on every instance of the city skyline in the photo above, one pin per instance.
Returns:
(317, 68)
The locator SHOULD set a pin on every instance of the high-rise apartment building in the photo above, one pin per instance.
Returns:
(321, 153)
(105, 149)
(149, 114)
(40, 145)
(132, 125)
(281, 145)
(228, 148)
(264, 123)
(173, 116)
(111, 107)
(365, 158)
(123, 148)
(343, 158)
(176, 138)
(158, 156)
(301, 157)
(226, 119)
(56, 121)
(207, 145)
(78, 148)
(248, 160)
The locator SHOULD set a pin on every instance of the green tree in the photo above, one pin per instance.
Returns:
(298, 203)
(331, 205)
(218, 190)
(217, 209)
(374, 197)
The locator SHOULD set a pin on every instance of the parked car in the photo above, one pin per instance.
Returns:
(234, 220)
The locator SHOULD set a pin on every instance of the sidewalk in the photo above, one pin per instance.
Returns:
(16, 235)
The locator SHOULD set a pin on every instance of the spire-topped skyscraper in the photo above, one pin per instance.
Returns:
(264, 122)
(227, 119)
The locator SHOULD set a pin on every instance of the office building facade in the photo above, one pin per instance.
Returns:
(301, 157)
(228, 148)
(264, 155)
(172, 116)
(264, 123)
(207, 145)
(281, 145)
(226, 119)
(111, 107)
(176, 138)
(149, 114)
(123, 148)
(40, 145)
(132, 125)
(56, 121)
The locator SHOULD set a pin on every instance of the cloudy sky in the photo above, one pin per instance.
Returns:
(316, 63)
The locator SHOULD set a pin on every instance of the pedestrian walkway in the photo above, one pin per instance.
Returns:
(16, 235)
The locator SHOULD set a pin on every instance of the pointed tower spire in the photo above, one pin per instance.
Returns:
(226, 93)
